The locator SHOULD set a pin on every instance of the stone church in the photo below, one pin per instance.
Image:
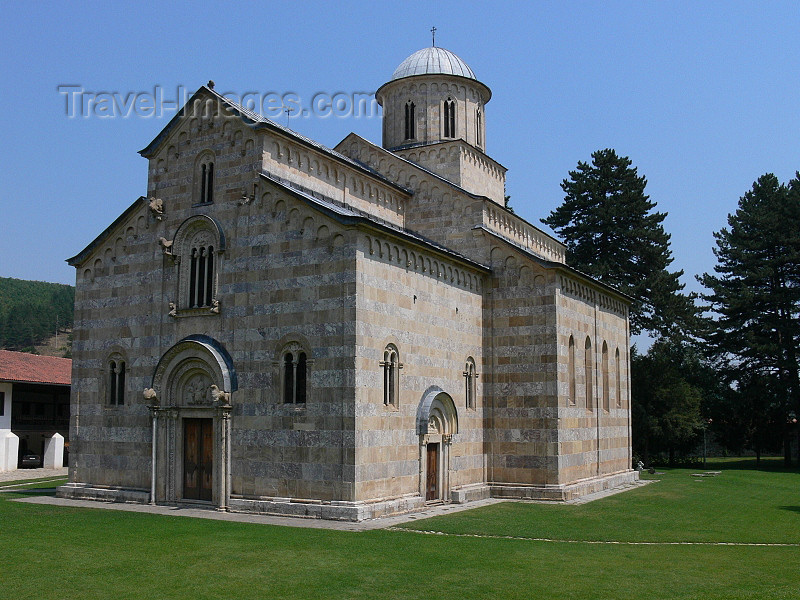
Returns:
(281, 327)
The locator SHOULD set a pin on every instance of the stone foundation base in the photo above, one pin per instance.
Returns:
(565, 492)
(361, 511)
(87, 491)
(470, 493)
(334, 510)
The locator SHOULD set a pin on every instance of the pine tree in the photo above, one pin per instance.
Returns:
(756, 295)
(613, 234)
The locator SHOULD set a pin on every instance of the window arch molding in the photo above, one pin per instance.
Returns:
(391, 365)
(198, 246)
(115, 378)
(470, 384)
(293, 362)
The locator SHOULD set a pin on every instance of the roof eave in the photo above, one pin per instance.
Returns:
(78, 259)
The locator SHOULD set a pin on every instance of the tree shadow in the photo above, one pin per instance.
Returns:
(791, 508)
(773, 464)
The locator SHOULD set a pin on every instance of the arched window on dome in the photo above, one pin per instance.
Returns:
(449, 118)
(478, 128)
(410, 123)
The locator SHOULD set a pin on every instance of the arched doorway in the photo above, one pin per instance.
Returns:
(437, 422)
(190, 402)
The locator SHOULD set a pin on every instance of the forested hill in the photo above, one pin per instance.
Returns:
(31, 311)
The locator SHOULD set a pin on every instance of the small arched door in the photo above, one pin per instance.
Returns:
(437, 421)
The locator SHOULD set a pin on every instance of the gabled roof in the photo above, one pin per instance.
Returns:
(446, 182)
(348, 215)
(83, 254)
(257, 121)
(20, 367)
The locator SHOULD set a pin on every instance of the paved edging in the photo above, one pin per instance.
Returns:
(262, 519)
(24, 474)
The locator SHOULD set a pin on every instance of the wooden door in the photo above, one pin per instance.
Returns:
(432, 483)
(198, 458)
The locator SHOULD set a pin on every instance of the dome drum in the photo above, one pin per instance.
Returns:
(433, 96)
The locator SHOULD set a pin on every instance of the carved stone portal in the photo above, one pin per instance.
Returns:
(197, 391)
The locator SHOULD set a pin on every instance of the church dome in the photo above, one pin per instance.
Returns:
(433, 61)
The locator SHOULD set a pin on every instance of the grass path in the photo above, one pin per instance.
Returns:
(612, 542)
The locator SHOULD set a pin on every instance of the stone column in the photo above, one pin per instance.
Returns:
(224, 470)
(154, 453)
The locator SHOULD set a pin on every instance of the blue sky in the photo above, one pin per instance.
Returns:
(703, 97)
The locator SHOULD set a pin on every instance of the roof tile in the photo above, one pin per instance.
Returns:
(31, 368)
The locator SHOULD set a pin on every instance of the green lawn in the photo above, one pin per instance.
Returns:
(52, 552)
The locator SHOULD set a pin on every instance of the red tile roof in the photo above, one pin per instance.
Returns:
(31, 368)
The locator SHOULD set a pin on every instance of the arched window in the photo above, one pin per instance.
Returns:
(470, 378)
(116, 381)
(201, 275)
(391, 375)
(478, 128)
(619, 379)
(295, 372)
(206, 180)
(410, 125)
(197, 247)
(606, 382)
(571, 369)
(449, 118)
(587, 367)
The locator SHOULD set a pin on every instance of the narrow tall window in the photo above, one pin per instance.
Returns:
(207, 183)
(2, 404)
(201, 276)
(606, 382)
(618, 367)
(589, 371)
(410, 127)
(470, 378)
(391, 368)
(478, 128)
(116, 382)
(294, 377)
(449, 118)
(288, 378)
(571, 369)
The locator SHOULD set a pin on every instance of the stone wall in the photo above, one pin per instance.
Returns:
(429, 307)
